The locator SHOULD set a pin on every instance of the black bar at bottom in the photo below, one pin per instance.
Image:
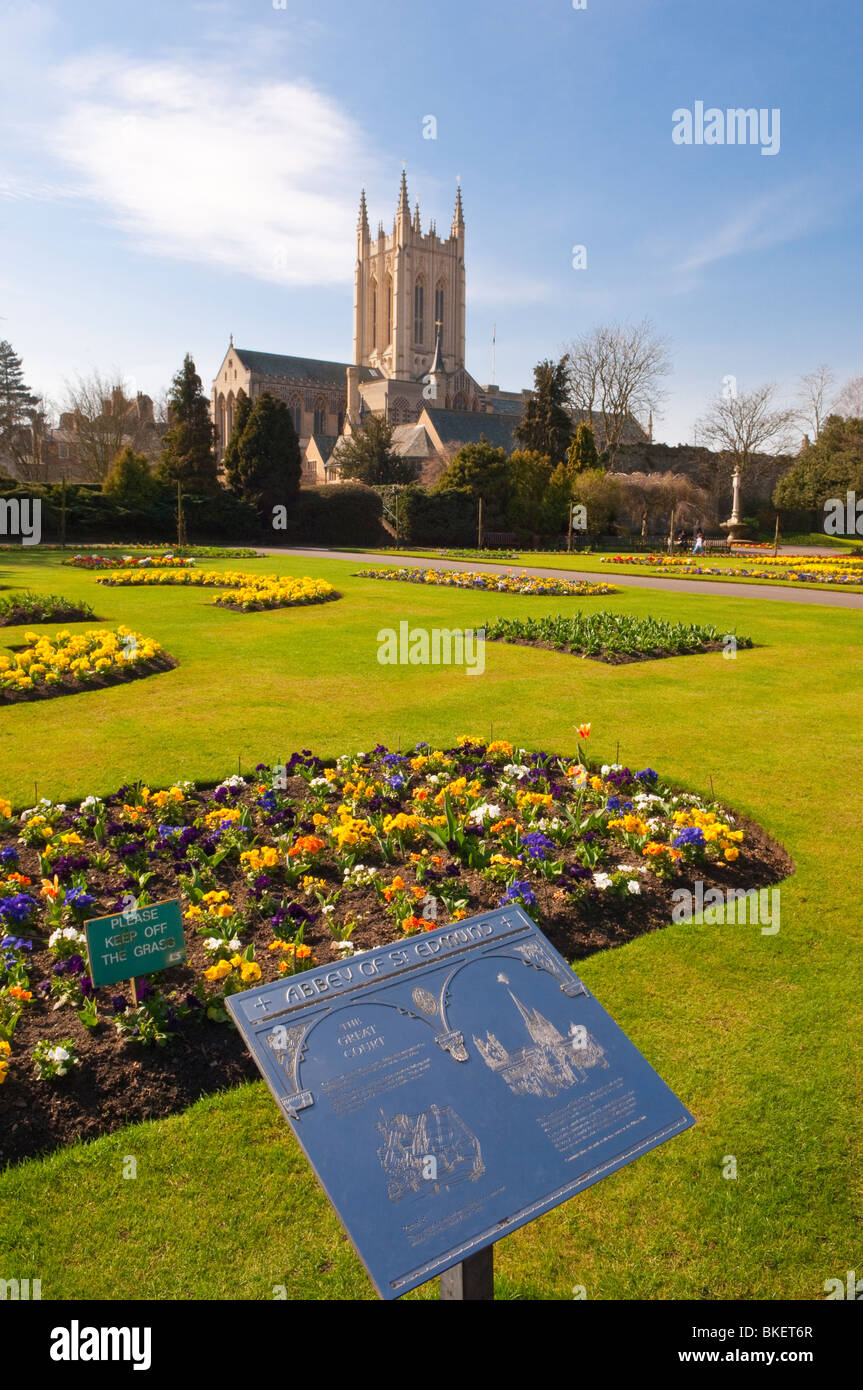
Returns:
(473, 1278)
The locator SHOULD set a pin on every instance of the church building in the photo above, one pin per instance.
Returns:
(408, 351)
(408, 358)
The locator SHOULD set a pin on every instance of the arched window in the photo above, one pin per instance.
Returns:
(400, 411)
(320, 416)
(460, 402)
(295, 406)
(438, 308)
(373, 312)
(419, 326)
(229, 415)
(388, 289)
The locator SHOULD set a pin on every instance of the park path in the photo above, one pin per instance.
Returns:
(720, 588)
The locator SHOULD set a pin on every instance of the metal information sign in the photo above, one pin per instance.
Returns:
(449, 1088)
(128, 944)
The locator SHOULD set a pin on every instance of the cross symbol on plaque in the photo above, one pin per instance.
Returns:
(262, 1003)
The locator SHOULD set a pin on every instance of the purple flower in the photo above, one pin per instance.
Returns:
(692, 837)
(520, 891)
(17, 908)
(143, 990)
(538, 845)
(8, 855)
(79, 899)
(118, 1004)
(75, 964)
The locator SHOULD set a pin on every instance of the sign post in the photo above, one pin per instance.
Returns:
(448, 1089)
(128, 944)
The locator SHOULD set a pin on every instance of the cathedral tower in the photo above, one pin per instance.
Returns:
(409, 287)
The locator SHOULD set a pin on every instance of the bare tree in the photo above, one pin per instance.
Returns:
(616, 372)
(849, 402)
(29, 451)
(104, 418)
(741, 424)
(813, 397)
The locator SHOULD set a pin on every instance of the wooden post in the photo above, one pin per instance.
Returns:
(63, 512)
(776, 537)
(134, 994)
(671, 532)
(472, 1279)
(479, 527)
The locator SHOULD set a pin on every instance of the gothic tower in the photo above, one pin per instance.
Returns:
(409, 288)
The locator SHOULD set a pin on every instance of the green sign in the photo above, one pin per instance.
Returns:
(133, 943)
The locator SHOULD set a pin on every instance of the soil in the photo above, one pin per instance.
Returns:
(119, 1082)
(618, 658)
(18, 617)
(70, 686)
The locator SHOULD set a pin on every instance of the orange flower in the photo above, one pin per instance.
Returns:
(412, 923)
(303, 952)
(50, 888)
(18, 993)
(306, 844)
(583, 731)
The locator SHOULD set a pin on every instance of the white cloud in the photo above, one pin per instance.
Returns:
(768, 221)
(212, 166)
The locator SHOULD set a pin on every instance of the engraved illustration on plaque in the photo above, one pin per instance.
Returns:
(550, 1065)
(532, 953)
(427, 1152)
(424, 1000)
(286, 1043)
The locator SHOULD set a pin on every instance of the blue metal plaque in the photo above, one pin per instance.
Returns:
(449, 1088)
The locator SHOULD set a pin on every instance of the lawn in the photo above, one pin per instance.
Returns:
(755, 1033)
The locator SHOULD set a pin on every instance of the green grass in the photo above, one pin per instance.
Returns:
(758, 1035)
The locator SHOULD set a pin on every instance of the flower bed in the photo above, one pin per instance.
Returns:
(307, 863)
(611, 637)
(69, 663)
(248, 592)
(508, 583)
(28, 607)
(800, 570)
(109, 562)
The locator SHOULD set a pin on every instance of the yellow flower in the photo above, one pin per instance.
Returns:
(731, 854)
(250, 972)
(218, 971)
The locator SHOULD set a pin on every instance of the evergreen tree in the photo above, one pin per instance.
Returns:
(268, 465)
(546, 426)
(231, 461)
(582, 453)
(481, 470)
(17, 403)
(369, 456)
(187, 448)
(131, 479)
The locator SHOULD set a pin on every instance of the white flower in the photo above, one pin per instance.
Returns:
(602, 880)
(344, 948)
(59, 1054)
(633, 886)
(516, 770)
(610, 767)
(479, 813)
(235, 944)
(89, 802)
(319, 782)
(328, 908)
(213, 943)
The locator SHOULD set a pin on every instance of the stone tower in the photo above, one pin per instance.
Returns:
(409, 288)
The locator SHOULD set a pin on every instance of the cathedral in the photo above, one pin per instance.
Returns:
(408, 358)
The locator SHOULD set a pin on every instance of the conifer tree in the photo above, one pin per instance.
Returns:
(187, 448)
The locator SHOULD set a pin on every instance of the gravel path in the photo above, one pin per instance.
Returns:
(721, 588)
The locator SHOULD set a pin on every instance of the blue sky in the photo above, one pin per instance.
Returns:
(173, 172)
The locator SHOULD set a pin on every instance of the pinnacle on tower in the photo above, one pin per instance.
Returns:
(417, 224)
(458, 214)
(363, 219)
(404, 205)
